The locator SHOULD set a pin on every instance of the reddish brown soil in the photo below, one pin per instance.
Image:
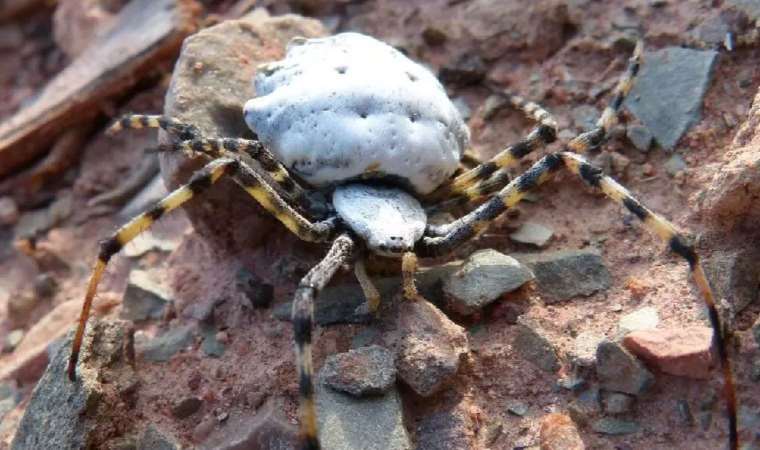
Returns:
(258, 358)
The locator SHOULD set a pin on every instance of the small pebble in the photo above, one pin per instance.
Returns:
(45, 286)
(675, 164)
(615, 426)
(12, 340)
(517, 408)
(640, 137)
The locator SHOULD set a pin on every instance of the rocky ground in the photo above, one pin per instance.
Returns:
(565, 326)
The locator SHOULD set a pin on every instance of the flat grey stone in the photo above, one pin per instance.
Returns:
(347, 422)
(268, 429)
(565, 274)
(445, 430)
(735, 276)
(211, 345)
(667, 96)
(674, 165)
(618, 370)
(615, 426)
(163, 347)
(360, 372)
(617, 403)
(484, 277)
(534, 346)
(640, 137)
(155, 439)
(144, 298)
(517, 408)
(532, 233)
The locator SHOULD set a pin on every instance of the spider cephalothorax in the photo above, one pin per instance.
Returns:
(375, 134)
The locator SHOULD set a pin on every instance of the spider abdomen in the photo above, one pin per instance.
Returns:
(349, 106)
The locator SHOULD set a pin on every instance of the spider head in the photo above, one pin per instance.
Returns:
(388, 219)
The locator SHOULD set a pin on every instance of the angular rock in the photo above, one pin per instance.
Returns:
(211, 345)
(615, 426)
(566, 274)
(586, 406)
(558, 432)
(144, 298)
(146, 32)
(360, 372)
(534, 345)
(210, 84)
(682, 352)
(155, 439)
(618, 370)
(532, 233)
(347, 422)
(645, 318)
(163, 347)
(485, 276)
(583, 353)
(731, 196)
(640, 137)
(735, 276)
(446, 430)
(269, 429)
(617, 403)
(430, 347)
(674, 165)
(667, 96)
(67, 408)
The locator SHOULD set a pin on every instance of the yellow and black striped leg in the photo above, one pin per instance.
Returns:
(181, 130)
(264, 193)
(409, 265)
(473, 223)
(303, 316)
(230, 147)
(199, 182)
(545, 133)
(371, 294)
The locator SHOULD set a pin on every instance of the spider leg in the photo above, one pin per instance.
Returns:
(368, 287)
(199, 182)
(545, 133)
(192, 142)
(264, 193)
(220, 147)
(497, 177)
(473, 223)
(408, 269)
(302, 316)
(171, 125)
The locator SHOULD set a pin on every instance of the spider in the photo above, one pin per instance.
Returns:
(354, 120)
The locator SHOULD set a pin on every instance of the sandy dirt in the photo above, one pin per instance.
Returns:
(561, 67)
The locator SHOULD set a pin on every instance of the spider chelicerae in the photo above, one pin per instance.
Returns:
(385, 183)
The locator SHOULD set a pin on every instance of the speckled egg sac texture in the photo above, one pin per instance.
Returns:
(350, 106)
